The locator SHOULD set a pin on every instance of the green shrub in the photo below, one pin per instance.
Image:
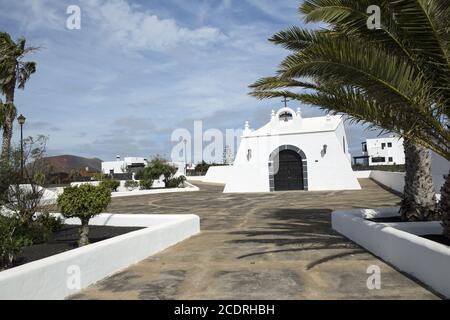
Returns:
(202, 167)
(110, 184)
(11, 240)
(49, 222)
(42, 228)
(99, 176)
(393, 167)
(131, 184)
(16, 234)
(176, 182)
(84, 202)
(146, 183)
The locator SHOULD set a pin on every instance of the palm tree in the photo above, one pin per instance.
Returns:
(418, 199)
(396, 77)
(13, 72)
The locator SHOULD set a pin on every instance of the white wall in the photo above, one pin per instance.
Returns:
(363, 174)
(217, 174)
(48, 278)
(119, 165)
(396, 180)
(116, 166)
(331, 171)
(399, 245)
(195, 178)
(392, 180)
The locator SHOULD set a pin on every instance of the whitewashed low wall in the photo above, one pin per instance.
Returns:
(189, 188)
(195, 178)
(363, 174)
(124, 192)
(395, 180)
(399, 244)
(218, 174)
(159, 183)
(392, 180)
(79, 183)
(56, 277)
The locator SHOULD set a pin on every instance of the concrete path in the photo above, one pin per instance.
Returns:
(258, 246)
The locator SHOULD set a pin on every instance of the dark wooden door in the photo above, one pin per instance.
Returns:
(290, 171)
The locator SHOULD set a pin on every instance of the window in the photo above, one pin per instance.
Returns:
(389, 144)
(285, 116)
(378, 159)
(383, 145)
(343, 143)
(364, 147)
(111, 171)
(391, 159)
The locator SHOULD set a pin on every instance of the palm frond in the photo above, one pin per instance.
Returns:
(296, 38)
(277, 82)
(409, 28)
(26, 69)
(366, 67)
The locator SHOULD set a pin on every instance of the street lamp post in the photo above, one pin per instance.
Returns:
(185, 157)
(21, 119)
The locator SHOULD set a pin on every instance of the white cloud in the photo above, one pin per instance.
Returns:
(280, 10)
(130, 27)
(32, 14)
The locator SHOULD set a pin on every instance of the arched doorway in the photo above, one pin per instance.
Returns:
(288, 169)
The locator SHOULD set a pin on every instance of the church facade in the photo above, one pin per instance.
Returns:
(293, 153)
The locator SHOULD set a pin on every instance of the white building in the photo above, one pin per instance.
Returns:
(292, 153)
(384, 151)
(121, 166)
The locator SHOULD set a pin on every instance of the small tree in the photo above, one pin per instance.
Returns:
(84, 202)
(156, 168)
(24, 217)
(24, 194)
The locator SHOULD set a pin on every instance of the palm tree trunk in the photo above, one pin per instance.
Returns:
(7, 133)
(8, 121)
(419, 199)
(445, 206)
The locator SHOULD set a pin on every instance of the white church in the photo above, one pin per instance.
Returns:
(292, 153)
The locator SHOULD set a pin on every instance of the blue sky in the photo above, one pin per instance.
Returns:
(139, 69)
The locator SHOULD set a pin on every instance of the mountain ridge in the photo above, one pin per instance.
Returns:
(68, 163)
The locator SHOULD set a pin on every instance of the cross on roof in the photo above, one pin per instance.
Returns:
(285, 100)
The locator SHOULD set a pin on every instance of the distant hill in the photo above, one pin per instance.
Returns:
(67, 163)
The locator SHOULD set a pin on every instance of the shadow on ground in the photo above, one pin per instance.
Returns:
(297, 230)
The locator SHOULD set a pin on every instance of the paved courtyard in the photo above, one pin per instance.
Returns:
(258, 246)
